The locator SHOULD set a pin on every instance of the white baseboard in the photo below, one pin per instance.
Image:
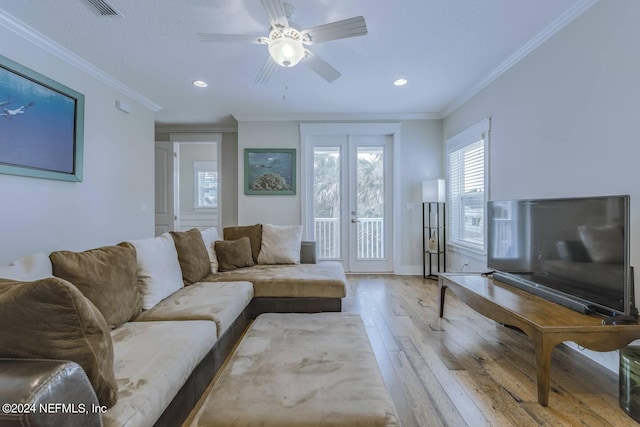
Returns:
(408, 270)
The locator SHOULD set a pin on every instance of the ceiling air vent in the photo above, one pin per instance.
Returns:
(102, 8)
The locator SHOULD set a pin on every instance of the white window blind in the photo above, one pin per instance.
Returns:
(466, 178)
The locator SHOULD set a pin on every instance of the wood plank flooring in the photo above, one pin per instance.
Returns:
(465, 369)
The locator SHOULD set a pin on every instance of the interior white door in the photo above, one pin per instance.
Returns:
(164, 216)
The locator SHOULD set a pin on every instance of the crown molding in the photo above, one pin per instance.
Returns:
(553, 28)
(23, 30)
(336, 117)
(198, 128)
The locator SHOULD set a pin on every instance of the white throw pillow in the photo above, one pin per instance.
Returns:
(159, 273)
(209, 236)
(29, 268)
(280, 244)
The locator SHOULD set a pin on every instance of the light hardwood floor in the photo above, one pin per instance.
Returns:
(465, 369)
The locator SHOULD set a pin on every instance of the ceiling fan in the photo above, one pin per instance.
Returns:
(287, 45)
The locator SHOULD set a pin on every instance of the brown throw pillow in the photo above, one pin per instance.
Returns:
(233, 254)
(51, 319)
(107, 276)
(192, 255)
(253, 232)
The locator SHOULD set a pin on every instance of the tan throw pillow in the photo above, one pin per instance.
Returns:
(253, 232)
(51, 319)
(107, 276)
(192, 255)
(280, 244)
(234, 254)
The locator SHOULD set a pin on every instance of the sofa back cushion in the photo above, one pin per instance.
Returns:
(158, 271)
(31, 267)
(209, 237)
(192, 255)
(51, 319)
(234, 254)
(253, 232)
(107, 276)
(280, 244)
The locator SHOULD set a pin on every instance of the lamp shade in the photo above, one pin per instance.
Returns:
(286, 51)
(433, 191)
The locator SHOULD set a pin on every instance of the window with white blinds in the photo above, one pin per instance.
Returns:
(466, 171)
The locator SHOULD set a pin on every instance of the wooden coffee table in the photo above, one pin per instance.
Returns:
(545, 322)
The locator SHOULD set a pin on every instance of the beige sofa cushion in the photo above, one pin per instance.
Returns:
(322, 280)
(158, 271)
(253, 232)
(209, 237)
(219, 302)
(30, 267)
(233, 254)
(152, 362)
(107, 276)
(192, 255)
(51, 319)
(280, 244)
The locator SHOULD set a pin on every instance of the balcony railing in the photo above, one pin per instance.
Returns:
(370, 235)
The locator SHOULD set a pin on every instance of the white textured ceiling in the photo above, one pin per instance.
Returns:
(444, 48)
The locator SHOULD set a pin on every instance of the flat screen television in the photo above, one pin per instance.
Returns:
(573, 251)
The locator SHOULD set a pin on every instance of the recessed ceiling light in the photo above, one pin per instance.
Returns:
(400, 82)
(200, 83)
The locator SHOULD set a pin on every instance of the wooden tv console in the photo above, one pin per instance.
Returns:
(546, 323)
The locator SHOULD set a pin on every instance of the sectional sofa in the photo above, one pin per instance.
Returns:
(131, 334)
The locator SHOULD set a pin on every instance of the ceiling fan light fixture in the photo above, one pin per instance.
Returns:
(286, 51)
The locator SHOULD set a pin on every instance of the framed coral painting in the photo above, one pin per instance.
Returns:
(41, 125)
(269, 171)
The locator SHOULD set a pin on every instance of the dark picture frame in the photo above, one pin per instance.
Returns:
(41, 125)
(269, 171)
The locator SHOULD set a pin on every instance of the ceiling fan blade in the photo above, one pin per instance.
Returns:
(228, 38)
(275, 11)
(322, 68)
(352, 27)
(268, 69)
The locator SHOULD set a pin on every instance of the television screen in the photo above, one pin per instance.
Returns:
(578, 247)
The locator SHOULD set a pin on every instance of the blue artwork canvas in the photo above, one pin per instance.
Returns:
(40, 133)
(270, 171)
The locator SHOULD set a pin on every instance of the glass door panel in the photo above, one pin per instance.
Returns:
(370, 208)
(326, 201)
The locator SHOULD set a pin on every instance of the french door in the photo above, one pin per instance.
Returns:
(349, 202)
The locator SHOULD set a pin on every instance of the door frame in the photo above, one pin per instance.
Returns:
(179, 139)
(310, 130)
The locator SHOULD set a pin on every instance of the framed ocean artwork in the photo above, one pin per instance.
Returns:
(269, 171)
(41, 125)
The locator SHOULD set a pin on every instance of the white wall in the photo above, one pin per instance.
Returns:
(115, 200)
(420, 157)
(278, 210)
(565, 119)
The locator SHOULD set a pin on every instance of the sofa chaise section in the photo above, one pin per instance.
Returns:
(153, 360)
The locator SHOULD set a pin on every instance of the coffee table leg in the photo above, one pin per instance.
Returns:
(543, 348)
